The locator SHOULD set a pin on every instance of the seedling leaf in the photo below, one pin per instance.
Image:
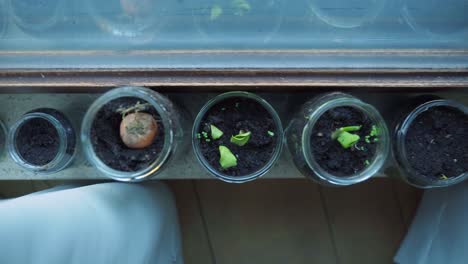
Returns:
(340, 130)
(347, 139)
(216, 11)
(271, 134)
(226, 158)
(216, 132)
(241, 139)
(374, 131)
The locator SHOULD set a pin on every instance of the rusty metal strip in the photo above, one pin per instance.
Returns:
(89, 80)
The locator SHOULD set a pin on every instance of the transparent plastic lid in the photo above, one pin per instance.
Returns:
(212, 33)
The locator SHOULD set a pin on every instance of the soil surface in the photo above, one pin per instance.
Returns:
(38, 141)
(105, 137)
(231, 116)
(329, 153)
(437, 143)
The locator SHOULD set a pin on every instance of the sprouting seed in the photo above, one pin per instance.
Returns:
(241, 139)
(215, 132)
(226, 158)
(271, 134)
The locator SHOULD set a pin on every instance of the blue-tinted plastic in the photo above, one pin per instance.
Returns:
(232, 25)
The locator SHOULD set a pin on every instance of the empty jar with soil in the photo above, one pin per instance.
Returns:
(42, 141)
(237, 136)
(130, 133)
(431, 145)
(337, 139)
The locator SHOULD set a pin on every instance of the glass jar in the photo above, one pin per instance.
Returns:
(37, 17)
(299, 131)
(214, 171)
(215, 19)
(66, 136)
(4, 15)
(346, 14)
(411, 111)
(136, 20)
(172, 125)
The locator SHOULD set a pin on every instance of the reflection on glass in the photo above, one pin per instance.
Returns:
(346, 14)
(437, 16)
(229, 18)
(127, 18)
(3, 18)
(36, 16)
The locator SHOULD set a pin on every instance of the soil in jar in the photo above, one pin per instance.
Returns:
(37, 141)
(231, 116)
(108, 145)
(330, 154)
(437, 143)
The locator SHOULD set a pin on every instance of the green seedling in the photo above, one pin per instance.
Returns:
(198, 135)
(345, 138)
(226, 158)
(241, 139)
(240, 7)
(237, 105)
(443, 177)
(216, 11)
(367, 163)
(271, 134)
(216, 133)
(372, 134)
(204, 134)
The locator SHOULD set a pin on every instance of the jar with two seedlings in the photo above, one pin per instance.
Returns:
(131, 133)
(337, 139)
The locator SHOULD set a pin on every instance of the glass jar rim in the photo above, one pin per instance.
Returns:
(58, 10)
(142, 93)
(402, 131)
(56, 163)
(379, 158)
(256, 174)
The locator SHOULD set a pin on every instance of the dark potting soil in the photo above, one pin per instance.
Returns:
(329, 153)
(231, 116)
(108, 146)
(437, 143)
(38, 141)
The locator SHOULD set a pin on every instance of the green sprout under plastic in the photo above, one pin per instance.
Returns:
(240, 7)
(216, 11)
(226, 158)
(366, 162)
(215, 132)
(241, 139)
(271, 134)
(345, 138)
(204, 134)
